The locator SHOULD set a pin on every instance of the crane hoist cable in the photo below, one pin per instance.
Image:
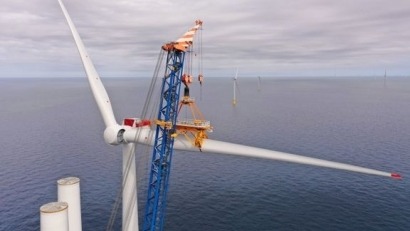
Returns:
(148, 111)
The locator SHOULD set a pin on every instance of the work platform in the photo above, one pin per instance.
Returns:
(194, 129)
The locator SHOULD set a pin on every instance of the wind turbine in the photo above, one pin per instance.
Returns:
(235, 86)
(259, 83)
(128, 134)
(114, 133)
(385, 76)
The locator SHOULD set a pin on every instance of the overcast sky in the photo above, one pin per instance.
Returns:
(260, 37)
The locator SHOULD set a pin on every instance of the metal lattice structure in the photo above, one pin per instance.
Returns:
(164, 140)
(166, 130)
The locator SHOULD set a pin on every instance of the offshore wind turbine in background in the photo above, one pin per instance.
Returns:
(385, 76)
(259, 83)
(235, 86)
(133, 130)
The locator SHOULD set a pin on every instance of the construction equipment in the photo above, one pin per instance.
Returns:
(168, 127)
(134, 131)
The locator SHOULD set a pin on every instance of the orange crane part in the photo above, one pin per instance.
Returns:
(183, 43)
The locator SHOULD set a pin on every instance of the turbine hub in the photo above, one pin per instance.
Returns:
(114, 134)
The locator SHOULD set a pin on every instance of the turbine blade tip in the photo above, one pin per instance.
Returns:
(396, 176)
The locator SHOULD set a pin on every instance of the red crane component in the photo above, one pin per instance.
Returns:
(186, 79)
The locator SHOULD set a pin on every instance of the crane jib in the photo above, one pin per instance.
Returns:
(166, 129)
(164, 140)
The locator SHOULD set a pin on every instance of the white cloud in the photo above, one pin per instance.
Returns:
(264, 37)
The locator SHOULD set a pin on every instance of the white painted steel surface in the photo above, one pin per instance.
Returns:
(54, 216)
(129, 193)
(68, 190)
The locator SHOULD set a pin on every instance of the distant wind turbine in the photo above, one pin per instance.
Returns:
(235, 85)
(385, 75)
(259, 83)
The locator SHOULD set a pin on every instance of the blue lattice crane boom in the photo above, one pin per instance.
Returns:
(166, 129)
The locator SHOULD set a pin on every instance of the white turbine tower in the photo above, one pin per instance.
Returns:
(128, 136)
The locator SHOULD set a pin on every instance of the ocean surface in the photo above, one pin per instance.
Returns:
(51, 128)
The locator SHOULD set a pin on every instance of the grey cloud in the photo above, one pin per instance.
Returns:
(274, 36)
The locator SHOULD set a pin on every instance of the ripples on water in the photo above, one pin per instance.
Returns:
(52, 129)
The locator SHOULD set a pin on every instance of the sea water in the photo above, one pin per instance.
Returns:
(51, 128)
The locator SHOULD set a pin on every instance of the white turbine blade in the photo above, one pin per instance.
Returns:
(215, 146)
(99, 92)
